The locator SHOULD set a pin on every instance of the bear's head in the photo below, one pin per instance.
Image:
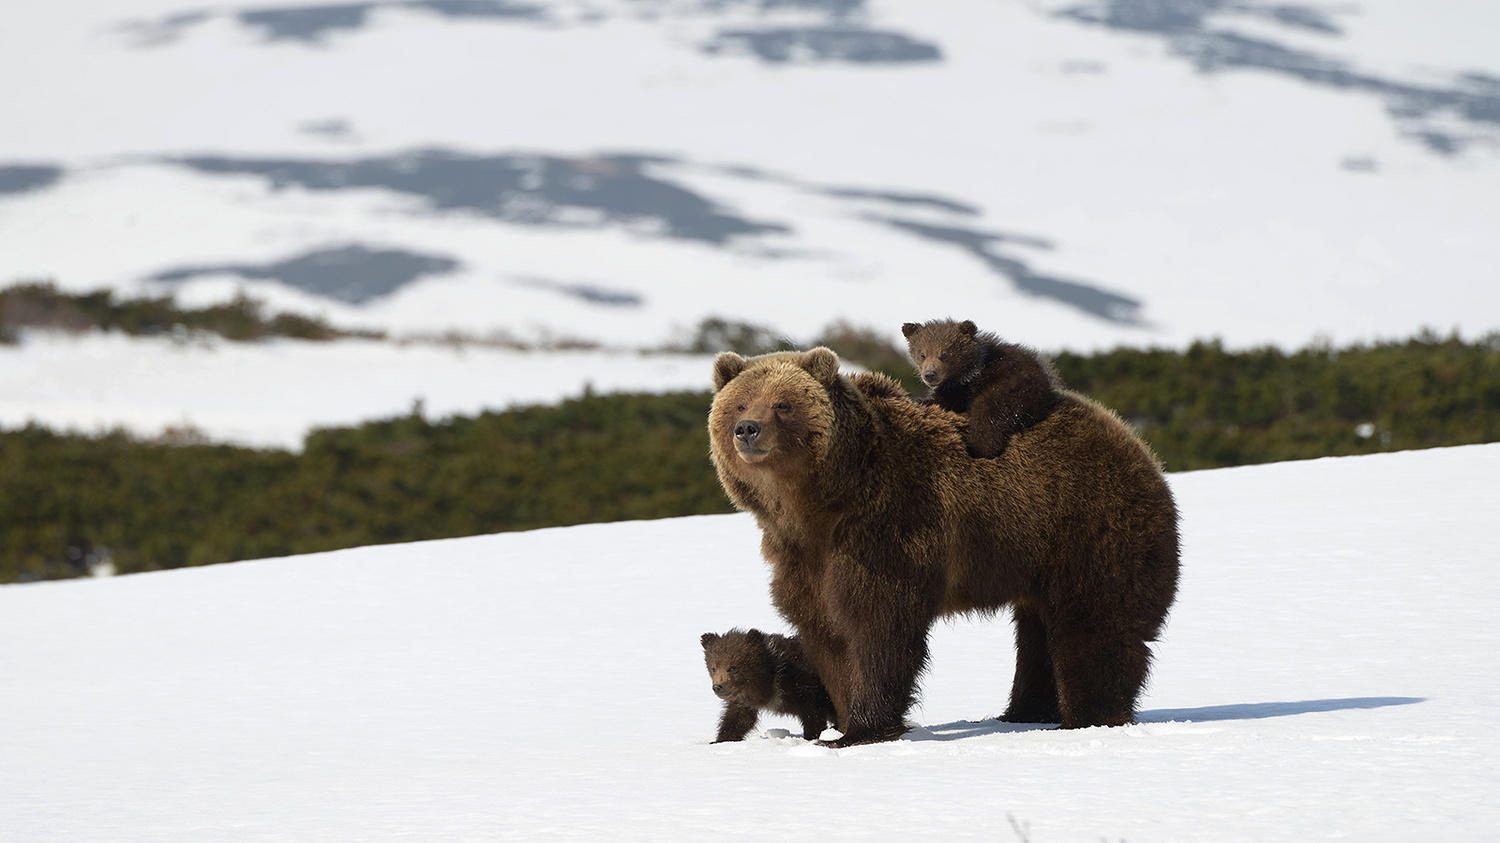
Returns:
(740, 666)
(771, 415)
(942, 350)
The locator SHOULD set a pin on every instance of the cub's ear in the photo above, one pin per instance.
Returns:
(726, 366)
(709, 638)
(968, 328)
(822, 364)
(909, 328)
(755, 636)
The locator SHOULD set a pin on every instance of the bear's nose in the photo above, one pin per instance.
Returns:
(930, 376)
(747, 432)
(718, 689)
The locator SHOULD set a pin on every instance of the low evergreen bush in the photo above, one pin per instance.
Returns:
(73, 503)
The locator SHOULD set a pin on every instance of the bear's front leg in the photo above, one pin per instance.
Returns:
(887, 618)
(737, 722)
(884, 689)
(829, 658)
(797, 593)
(865, 736)
(812, 727)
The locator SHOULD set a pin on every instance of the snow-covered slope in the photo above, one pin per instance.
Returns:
(1327, 672)
(271, 394)
(1072, 173)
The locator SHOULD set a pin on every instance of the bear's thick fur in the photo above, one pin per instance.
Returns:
(876, 520)
(753, 671)
(1002, 387)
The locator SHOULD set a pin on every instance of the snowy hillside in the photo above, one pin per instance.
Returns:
(1327, 672)
(271, 394)
(1073, 173)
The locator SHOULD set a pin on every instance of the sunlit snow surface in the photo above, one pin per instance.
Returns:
(1071, 173)
(271, 394)
(1327, 673)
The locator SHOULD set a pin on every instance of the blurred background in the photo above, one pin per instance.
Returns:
(289, 276)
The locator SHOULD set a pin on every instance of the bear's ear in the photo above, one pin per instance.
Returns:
(709, 638)
(755, 636)
(726, 366)
(909, 328)
(968, 328)
(822, 364)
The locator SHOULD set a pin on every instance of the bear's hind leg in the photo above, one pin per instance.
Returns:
(1099, 678)
(1033, 694)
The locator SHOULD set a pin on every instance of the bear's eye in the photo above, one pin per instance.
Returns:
(943, 356)
(781, 405)
(733, 668)
(739, 408)
(921, 356)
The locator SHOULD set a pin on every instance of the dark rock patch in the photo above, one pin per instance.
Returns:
(985, 246)
(812, 44)
(522, 189)
(1184, 25)
(25, 178)
(353, 274)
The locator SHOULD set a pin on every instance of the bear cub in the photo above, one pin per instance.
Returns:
(1002, 387)
(752, 671)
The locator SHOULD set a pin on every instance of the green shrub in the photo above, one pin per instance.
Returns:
(154, 505)
(67, 502)
(1208, 407)
(40, 304)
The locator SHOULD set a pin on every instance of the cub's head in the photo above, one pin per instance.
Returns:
(740, 666)
(942, 350)
(771, 414)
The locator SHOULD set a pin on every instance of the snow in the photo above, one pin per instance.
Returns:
(1217, 203)
(559, 168)
(272, 393)
(1326, 673)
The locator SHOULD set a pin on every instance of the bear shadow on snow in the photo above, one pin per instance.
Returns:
(962, 729)
(876, 520)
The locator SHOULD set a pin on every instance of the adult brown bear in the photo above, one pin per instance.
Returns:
(876, 521)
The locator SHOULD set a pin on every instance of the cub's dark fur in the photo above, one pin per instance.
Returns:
(1002, 387)
(754, 671)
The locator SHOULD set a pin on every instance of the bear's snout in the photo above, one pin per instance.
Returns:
(931, 377)
(747, 432)
(719, 688)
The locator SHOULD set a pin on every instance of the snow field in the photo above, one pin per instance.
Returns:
(1324, 674)
(272, 393)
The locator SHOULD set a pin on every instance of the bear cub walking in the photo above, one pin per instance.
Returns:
(754, 670)
(1002, 387)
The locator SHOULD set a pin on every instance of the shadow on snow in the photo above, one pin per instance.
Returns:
(839, 38)
(1199, 32)
(963, 729)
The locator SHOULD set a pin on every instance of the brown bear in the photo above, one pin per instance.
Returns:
(754, 671)
(876, 521)
(1002, 387)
